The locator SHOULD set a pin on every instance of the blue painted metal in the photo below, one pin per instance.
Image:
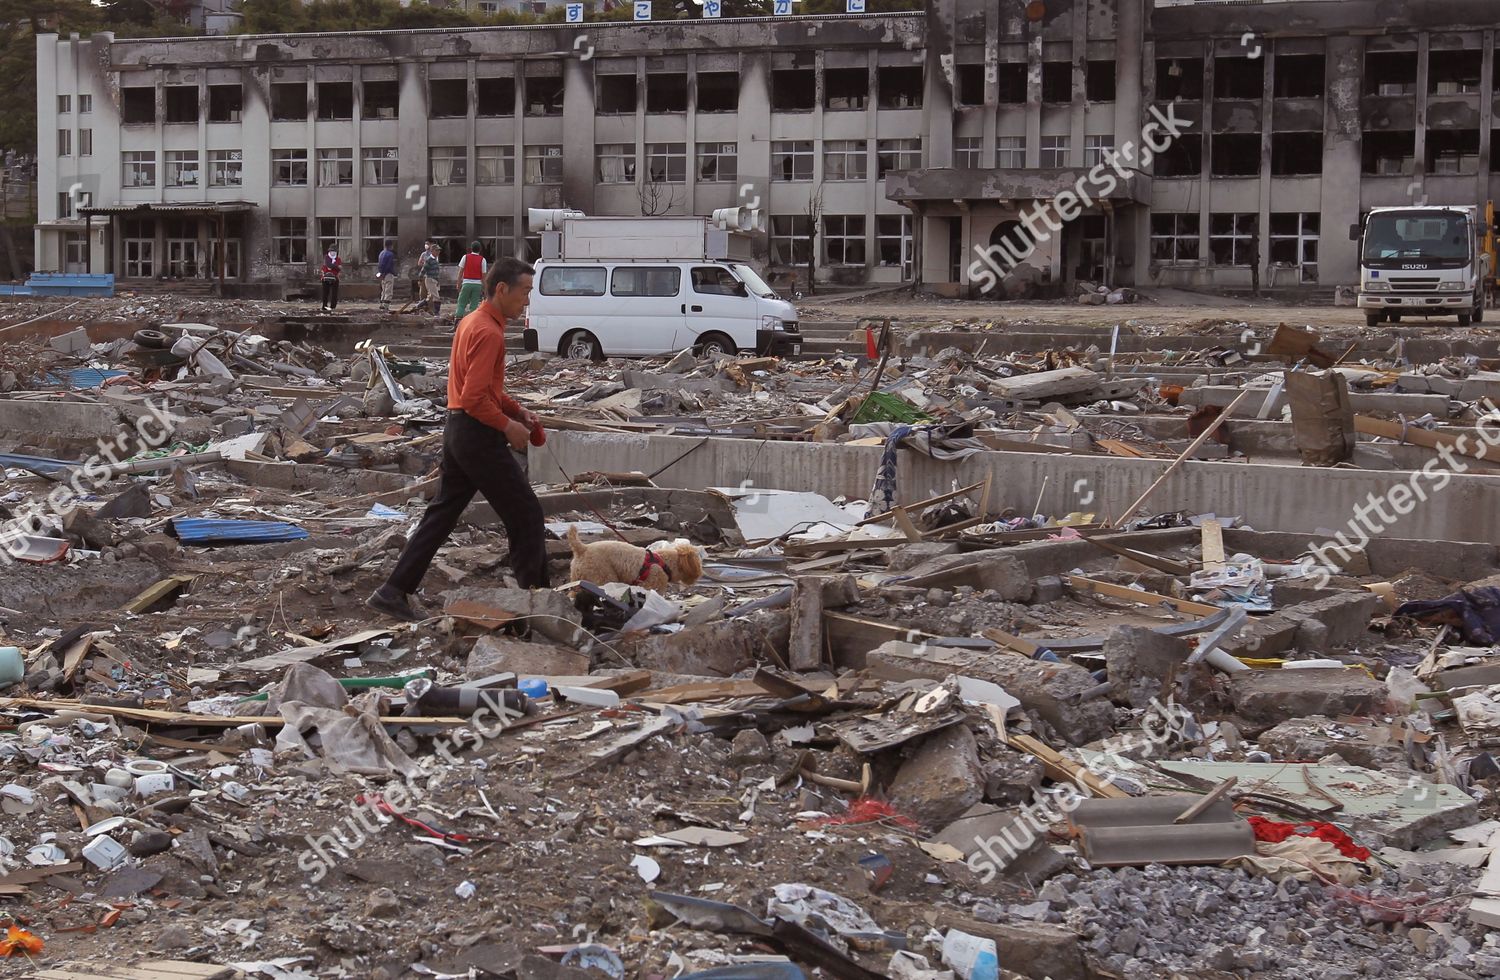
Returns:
(11, 289)
(71, 284)
(78, 378)
(201, 530)
(37, 464)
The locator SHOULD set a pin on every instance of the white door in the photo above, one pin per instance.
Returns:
(717, 302)
(646, 313)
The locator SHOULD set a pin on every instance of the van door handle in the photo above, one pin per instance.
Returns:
(697, 309)
(684, 307)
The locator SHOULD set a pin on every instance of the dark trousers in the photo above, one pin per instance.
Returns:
(477, 459)
(331, 293)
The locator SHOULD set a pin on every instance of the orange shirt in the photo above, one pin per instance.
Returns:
(476, 374)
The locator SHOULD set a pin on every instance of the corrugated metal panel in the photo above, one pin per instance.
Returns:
(37, 464)
(199, 530)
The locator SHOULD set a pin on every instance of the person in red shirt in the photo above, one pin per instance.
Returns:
(330, 271)
(484, 426)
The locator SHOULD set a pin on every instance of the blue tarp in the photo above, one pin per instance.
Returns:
(38, 464)
(199, 530)
(78, 378)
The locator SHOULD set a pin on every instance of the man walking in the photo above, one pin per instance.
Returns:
(330, 271)
(471, 280)
(386, 273)
(430, 268)
(484, 426)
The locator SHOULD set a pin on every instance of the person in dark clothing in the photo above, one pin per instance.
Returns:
(386, 273)
(484, 426)
(332, 267)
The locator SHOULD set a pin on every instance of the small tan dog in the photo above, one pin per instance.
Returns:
(602, 562)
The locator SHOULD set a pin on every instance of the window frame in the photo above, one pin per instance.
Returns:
(645, 271)
(547, 285)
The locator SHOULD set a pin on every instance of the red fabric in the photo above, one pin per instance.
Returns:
(1274, 832)
(538, 435)
(866, 810)
(473, 267)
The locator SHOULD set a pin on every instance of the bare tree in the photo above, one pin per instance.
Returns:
(656, 198)
(814, 215)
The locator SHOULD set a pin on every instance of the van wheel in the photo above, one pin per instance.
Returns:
(715, 345)
(581, 344)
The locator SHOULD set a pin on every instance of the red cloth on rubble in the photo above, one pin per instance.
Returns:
(1274, 832)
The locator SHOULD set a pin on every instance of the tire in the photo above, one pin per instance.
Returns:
(1372, 319)
(1394, 317)
(581, 344)
(153, 339)
(1479, 310)
(1464, 319)
(713, 344)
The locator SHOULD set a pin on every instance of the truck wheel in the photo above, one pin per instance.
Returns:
(1464, 319)
(1372, 319)
(1479, 311)
(581, 344)
(716, 344)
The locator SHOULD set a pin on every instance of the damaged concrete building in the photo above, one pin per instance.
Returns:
(884, 148)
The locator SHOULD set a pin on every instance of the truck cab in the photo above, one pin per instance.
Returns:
(652, 286)
(1423, 261)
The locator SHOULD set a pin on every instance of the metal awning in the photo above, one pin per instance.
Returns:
(199, 208)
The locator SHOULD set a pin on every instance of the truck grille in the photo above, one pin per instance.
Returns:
(1414, 285)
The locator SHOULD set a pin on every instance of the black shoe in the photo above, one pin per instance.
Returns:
(393, 604)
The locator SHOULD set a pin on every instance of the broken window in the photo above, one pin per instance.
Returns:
(1391, 73)
(1453, 151)
(969, 85)
(1294, 243)
(899, 88)
(494, 97)
(1011, 84)
(336, 167)
(381, 100)
(1239, 78)
(1389, 154)
(1099, 81)
(1174, 238)
(1179, 78)
(791, 239)
(1296, 154)
(181, 103)
(616, 94)
(845, 160)
(718, 91)
(1057, 81)
(666, 163)
(1455, 72)
(448, 98)
(1232, 238)
(289, 168)
(137, 105)
(335, 100)
(288, 100)
(544, 96)
(718, 162)
(793, 90)
(225, 103)
(792, 160)
(289, 240)
(1236, 155)
(1299, 76)
(378, 166)
(844, 239)
(846, 88)
(899, 154)
(1184, 158)
(666, 93)
(544, 163)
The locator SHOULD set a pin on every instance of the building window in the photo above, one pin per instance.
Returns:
(1294, 243)
(845, 160)
(137, 105)
(666, 163)
(902, 154)
(544, 96)
(1452, 151)
(495, 165)
(844, 239)
(845, 88)
(448, 165)
(616, 163)
(1055, 150)
(1097, 150)
(85, 142)
(335, 100)
(1391, 73)
(1301, 154)
(1010, 152)
(336, 233)
(1099, 81)
(794, 89)
(1456, 72)
(76, 244)
(898, 88)
(289, 168)
(718, 91)
(452, 234)
(494, 97)
(967, 152)
(1174, 238)
(1235, 155)
(544, 163)
(64, 142)
(968, 85)
(378, 166)
(893, 239)
(379, 99)
(64, 104)
(1179, 78)
(497, 235)
(666, 92)
(226, 103)
(85, 103)
(226, 168)
(1239, 78)
(792, 160)
(791, 239)
(615, 93)
(378, 231)
(1389, 154)
(1231, 238)
(182, 168)
(138, 235)
(138, 168)
(1011, 83)
(336, 167)
(718, 162)
(181, 104)
(289, 240)
(1300, 76)
(448, 97)
(1057, 81)
(288, 100)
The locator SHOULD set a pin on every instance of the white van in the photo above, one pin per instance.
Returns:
(670, 284)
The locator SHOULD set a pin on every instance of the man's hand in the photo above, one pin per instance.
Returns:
(529, 419)
(517, 435)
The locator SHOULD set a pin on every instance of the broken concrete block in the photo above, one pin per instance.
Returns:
(1141, 662)
(1031, 949)
(911, 555)
(1266, 698)
(1332, 623)
(716, 649)
(1367, 746)
(1002, 841)
(1048, 588)
(1049, 689)
(840, 591)
(548, 614)
(1004, 574)
(497, 654)
(1011, 777)
(941, 780)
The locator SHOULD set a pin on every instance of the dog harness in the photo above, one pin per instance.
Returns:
(652, 560)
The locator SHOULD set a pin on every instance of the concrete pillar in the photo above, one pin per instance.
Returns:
(754, 118)
(1338, 257)
(1486, 121)
(1034, 97)
(1268, 119)
(411, 163)
(578, 134)
(1131, 94)
(1419, 163)
(1205, 182)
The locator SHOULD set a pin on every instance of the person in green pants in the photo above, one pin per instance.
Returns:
(471, 272)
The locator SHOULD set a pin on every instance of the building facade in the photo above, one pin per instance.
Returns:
(885, 148)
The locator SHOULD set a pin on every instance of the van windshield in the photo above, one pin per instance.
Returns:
(753, 281)
(1439, 239)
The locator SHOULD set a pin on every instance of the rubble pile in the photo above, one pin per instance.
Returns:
(948, 737)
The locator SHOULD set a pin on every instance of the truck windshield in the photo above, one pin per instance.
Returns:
(1437, 238)
(752, 281)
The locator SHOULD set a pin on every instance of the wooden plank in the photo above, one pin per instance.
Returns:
(1475, 448)
(1117, 448)
(1082, 584)
(302, 655)
(72, 658)
(1047, 384)
(156, 593)
(186, 968)
(797, 548)
(19, 880)
(480, 614)
(851, 638)
(1016, 644)
(1186, 454)
(904, 524)
(1141, 557)
(805, 646)
(1063, 769)
(1213, 546)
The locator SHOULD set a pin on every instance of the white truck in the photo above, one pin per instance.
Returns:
(651, 286)
(1423, 261)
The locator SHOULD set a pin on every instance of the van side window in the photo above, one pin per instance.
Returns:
(711, 280)
(572, 281)
(646, 281)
